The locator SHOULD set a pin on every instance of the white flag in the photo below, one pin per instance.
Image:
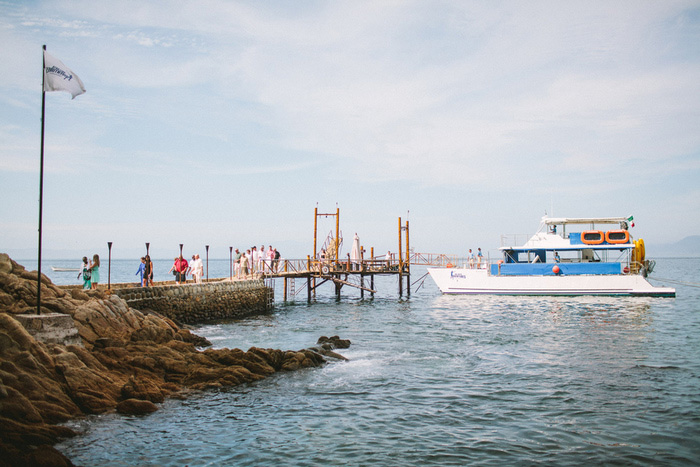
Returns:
(58, 77)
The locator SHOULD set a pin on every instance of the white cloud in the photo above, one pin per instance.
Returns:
(516, 97)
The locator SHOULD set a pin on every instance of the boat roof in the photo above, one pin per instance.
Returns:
(583, 220)
(548, 239)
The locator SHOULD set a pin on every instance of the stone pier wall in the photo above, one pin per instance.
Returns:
(199, 303)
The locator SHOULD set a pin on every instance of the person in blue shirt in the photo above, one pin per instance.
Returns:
(141, 270)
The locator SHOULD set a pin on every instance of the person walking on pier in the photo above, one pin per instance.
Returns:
(140, 272)
(180, 269)
(183, 270)
(197, 269)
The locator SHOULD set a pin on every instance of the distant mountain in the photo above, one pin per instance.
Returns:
(688, 247)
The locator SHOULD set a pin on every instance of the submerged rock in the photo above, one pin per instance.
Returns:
(128, 361)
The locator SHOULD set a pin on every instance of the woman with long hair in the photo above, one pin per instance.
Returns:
(148, 274)
(95, 270)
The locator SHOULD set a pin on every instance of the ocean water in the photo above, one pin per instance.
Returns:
(441, 380)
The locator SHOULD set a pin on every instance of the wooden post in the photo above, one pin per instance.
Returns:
(315, 231)
(286, 268)
(408, 264)
(308, 277)
(371, 276)
(109, 267)
(400, 263)
(207, 248)
(362, 271)
(337, 232)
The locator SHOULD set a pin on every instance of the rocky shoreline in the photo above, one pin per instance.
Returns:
(129, 361)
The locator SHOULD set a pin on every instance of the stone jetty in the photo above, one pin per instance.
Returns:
(199, 303)
(114, 357)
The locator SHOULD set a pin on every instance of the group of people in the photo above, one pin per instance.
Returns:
(475, 261)
(145, 271)
(253, 260)
(90, 272)
(181, 268)
(249, 262)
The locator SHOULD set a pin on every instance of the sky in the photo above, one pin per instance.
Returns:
(226, 123)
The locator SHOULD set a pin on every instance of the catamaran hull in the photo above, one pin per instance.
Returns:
(480, 282)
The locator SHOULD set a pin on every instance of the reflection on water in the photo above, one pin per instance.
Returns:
(442, 380)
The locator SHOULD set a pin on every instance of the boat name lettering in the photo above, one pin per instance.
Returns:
(457, 275)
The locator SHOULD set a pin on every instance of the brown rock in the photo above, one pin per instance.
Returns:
(142, 389)
(131, 360)
(136, 407)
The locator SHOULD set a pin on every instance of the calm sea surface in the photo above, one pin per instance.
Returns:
(437, 380)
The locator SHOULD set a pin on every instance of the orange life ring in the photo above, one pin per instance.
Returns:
(617, 236)
(449, 265)
(592, 237)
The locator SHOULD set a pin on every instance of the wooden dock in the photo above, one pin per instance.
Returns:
(316, 273)
(326, 266)
(359, 275)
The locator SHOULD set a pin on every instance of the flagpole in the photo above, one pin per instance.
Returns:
(41, 176)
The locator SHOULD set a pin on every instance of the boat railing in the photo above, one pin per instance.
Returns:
(514, 239)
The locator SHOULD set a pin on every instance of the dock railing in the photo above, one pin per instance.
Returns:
(289, 267)
(377, 264)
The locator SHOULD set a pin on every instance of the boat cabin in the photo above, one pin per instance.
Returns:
(573, 246)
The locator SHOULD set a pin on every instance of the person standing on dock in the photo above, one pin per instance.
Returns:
(192, 269)
(243, 270)
(95, 271)
(149, 271)
(270, 257)
(237, 263)
(254, 259)
(275, 260)
(85, 271)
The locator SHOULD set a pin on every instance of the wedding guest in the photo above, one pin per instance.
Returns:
(85, 272)
(95, 271)
(237, 262)
(149, 271)
(141, 270)
(243, 270)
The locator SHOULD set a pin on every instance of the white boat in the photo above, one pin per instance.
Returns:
(54, 268)
(567, 256)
